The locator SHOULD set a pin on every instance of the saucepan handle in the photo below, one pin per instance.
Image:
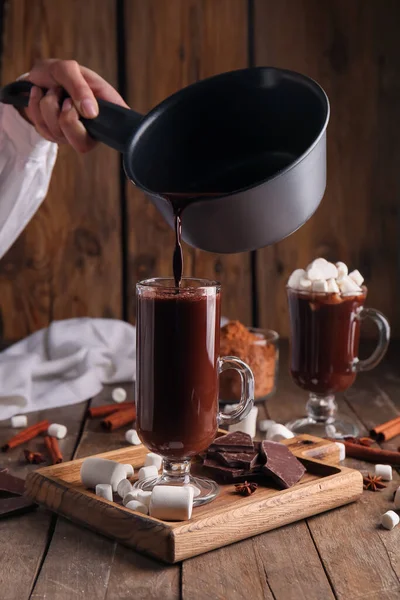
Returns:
(114, 125)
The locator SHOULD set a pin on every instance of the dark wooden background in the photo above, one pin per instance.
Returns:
(95, 235)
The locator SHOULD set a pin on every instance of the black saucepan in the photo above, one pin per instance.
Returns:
(247, 148)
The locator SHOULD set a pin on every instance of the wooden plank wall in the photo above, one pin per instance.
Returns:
(92, 239)
(350, 48)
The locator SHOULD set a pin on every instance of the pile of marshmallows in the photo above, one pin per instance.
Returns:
(165, 502)
(323, 276)
(274, 432)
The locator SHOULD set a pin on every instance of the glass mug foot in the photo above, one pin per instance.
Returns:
(205, 490)
(337, 428)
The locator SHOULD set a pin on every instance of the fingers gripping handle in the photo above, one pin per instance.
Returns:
(114, 125)
(247, 393)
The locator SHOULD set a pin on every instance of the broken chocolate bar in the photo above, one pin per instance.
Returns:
(281, 464)
(237, 441)
(241, 460)
(225, 473)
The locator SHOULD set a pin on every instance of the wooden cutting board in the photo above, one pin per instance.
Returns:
(229, 518)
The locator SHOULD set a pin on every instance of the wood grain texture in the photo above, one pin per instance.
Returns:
(81, 563)
(214, 525)
(350, 48)
(237, 573)
(23, 540)
(173, 43)
(359, 558)
(67, 262)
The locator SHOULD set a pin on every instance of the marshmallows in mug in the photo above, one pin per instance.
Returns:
(323, 276)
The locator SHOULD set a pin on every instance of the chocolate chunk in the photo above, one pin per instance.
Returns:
(281, 464)
(237, 441)
(226, 473)
(242, 460)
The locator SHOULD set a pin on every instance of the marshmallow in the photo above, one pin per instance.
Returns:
(118, 395)
(397, 499)
(104, 490)
(348, 285)
(153, 459)
(138, 506)
(148, 472)
(129, 470)
(132, 437)
(319, 285)
(342, 450)
(330, 430)
(314, 273)
(342, 270)
(265, 424)
(143, 497)
(171, 502)
(390, 519)
(100, 470)
(57, 431)
(333, 287)
(123, 488)
(305, 284)
(230, 408)
(384, 471)
(320, 268)
(278, 432)
(19, 421)
(130, 496)
(196, 491)
(294, 279)
(249, 423)
(357, 277)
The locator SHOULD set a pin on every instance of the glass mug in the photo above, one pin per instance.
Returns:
(324, 343)
(177, 377)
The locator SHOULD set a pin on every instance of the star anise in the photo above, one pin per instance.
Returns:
(245, 489)
(373, 483)
(34, 458)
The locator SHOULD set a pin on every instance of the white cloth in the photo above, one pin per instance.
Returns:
(66, 363)
(26, 164)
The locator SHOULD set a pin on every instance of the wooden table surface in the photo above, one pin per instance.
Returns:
(341, 554)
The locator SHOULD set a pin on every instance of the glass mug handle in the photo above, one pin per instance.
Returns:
(383, 339)
(247, 391)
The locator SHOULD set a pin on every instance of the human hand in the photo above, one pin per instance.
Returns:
(62, 125)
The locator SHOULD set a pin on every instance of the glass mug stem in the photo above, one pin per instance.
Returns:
(383, 339)
(247, 390)
(322, 408)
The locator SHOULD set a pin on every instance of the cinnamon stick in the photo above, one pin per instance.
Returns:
(25, 435)
(109, 409)
(386, 431)
(53, 449)
(119, 419)
(373, 455)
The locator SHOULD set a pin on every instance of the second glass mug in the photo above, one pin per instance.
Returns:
(324, 343)
(177, 377)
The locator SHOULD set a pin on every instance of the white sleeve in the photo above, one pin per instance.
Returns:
(26, 164)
